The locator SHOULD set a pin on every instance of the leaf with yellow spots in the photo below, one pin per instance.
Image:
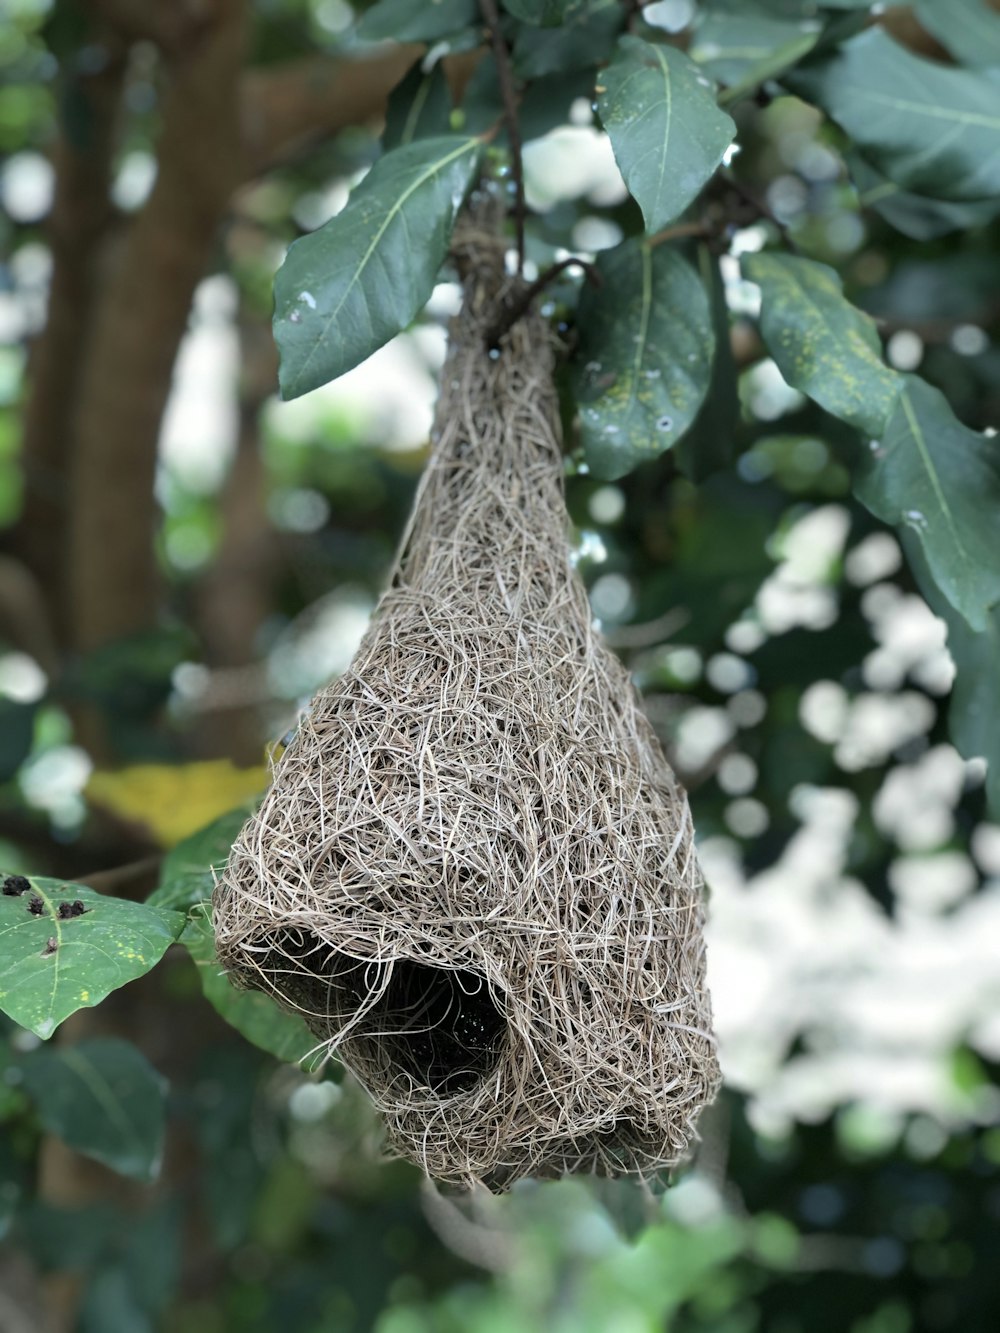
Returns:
(64, 947)
(175, 800)
(644, 358)
(823, 345)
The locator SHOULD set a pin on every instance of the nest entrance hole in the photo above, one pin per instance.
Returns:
(439, 1026)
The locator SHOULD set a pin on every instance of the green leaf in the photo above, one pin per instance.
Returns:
(667, 133)
(974, 712)
(16, 1183)
(913, 214)
(189, 870)
(644, 358)
(744, 52)
(709, 444)
(133, 674)
(51, 966)
(70, 1239)
(935, 477)
(418, 108)
(17, 731)
(415, 20)
(969, 29)
(540, 13)
(348, 288)
(544, 106)
(227, 1111)
(253, 1014)
(579, 42)
(822, 344)
(104, 1099)
(974, 709)
(930, 129)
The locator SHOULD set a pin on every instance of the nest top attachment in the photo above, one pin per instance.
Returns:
(473, 873)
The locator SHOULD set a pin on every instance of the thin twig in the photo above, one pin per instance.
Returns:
(509, 96)
(510, 314)
(703, 230)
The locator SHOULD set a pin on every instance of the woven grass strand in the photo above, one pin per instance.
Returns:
(474, 871)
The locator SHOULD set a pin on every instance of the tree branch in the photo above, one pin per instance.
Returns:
(285, 107)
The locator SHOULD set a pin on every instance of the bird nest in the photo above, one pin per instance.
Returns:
(473, 873)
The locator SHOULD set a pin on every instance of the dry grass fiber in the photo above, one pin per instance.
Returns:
(474, 871)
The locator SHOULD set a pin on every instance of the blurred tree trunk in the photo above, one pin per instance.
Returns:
(122, 291)
(80, 218)
(141, 317)
(234, 596)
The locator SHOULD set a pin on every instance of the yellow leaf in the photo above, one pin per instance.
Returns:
(175, 800)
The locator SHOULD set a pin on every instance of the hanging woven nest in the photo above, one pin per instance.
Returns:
(473, 873)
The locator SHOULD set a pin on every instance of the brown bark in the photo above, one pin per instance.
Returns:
(217, 130)
(234, 595)
(140, 322)
(288, 107)
(285, 108)
(81, 214)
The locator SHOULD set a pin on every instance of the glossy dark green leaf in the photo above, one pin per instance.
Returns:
(579, 42)
(974, 707)
(644, 358)
(256, 1016)
(913, 214)
(822, 344)
(974, 712)
(50, 966)
(345, 290)
(190, 868)
(540, 13)
(742, 51)
(418, 108)
(667, 133)
(104, 1099)
(969, 29)
(930, 474)
(930, 129)
(416, 20)
(17, 730)
(709, 445)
